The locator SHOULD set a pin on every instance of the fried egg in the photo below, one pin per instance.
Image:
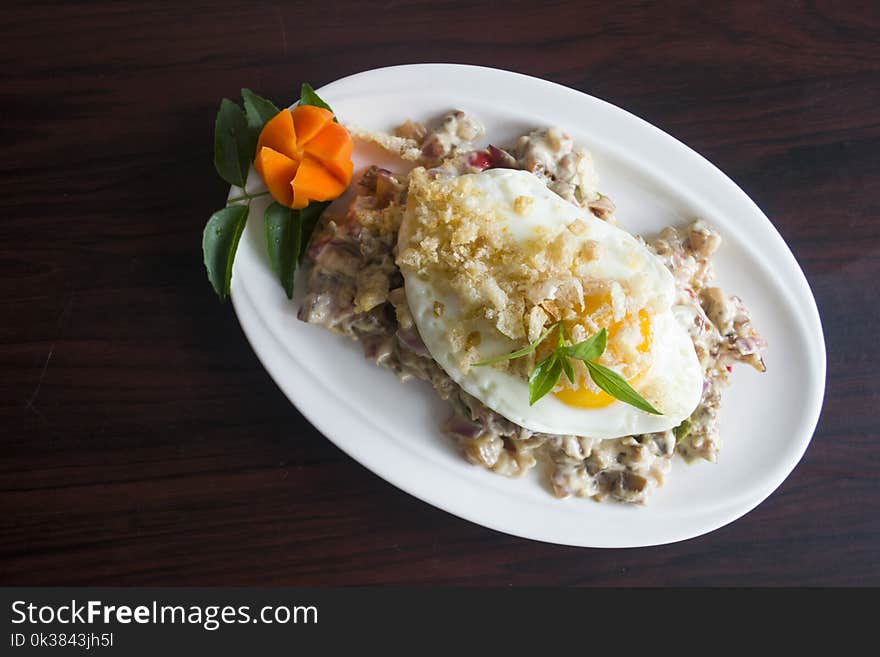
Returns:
(616, 283)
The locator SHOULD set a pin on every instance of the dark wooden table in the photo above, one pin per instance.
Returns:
(143, 443)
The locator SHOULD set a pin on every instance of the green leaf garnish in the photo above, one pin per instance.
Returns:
(257, 111)
(219, 243)
(283, 242)
(544, 377)
(309, 217)
(287, 235)
(307, 96)
(233, 151)
(567, 368)
(560, 352)
(525, 351)
(546, 374)
(616, 386)
(682, 430)
(590, 348)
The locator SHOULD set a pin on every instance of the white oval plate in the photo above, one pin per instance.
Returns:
(392, 428)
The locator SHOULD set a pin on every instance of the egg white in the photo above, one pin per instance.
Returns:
(674, 382)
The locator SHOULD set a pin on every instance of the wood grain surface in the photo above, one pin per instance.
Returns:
(143, 443)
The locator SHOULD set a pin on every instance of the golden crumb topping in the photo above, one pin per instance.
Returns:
(518, 282)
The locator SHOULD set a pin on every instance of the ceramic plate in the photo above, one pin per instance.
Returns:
(392, 428)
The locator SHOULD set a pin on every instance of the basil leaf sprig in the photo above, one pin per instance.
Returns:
(525, 351)
(547, 372)
(544, 377)
(236, 132)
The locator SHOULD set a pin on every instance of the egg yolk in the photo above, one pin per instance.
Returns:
(584, 397)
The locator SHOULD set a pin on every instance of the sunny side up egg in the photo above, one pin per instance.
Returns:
(442, 242)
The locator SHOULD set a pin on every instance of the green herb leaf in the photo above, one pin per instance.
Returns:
(566, 366)
(544, 377)
(309, 217)
(257, 111)
(525, 351)
(616, 386)
(546, 374)
(307, 96)
(590, 348)
(287, 235)
(232, 144)
(682, 430)
(283, 242)
(219, 243)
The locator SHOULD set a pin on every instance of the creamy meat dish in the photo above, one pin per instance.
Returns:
(355, 286)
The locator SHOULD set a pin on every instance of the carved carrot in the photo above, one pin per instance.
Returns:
(303, 156)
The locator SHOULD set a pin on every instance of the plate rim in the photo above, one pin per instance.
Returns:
(257, 331)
